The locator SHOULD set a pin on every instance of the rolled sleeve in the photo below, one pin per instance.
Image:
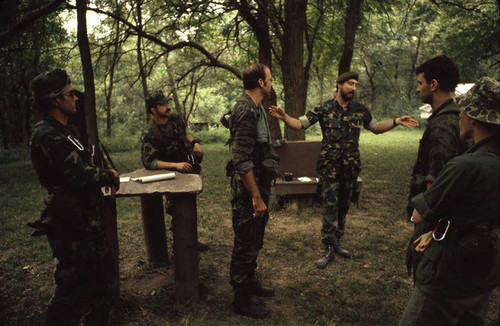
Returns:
(373, 122)
(305, 121)
(422, 207)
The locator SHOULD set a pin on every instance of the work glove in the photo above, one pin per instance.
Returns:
(423, 242)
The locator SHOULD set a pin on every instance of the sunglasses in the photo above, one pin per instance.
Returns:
(71, 93)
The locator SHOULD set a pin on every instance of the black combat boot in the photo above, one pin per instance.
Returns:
(243, 305)
(328, 257)
(341, 251)
(256, 288)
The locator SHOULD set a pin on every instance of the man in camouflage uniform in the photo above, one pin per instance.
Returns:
(167, 145)
(165, 142)
(72, 220)
(339, 163)
(461, 257)
(251, 177)
(441, 141)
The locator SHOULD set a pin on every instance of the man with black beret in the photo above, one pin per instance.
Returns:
(339, 162)
(73, 219)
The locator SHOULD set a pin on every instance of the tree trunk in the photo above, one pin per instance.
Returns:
(109, 93)
(352, 21)
(171, 83)
(88, 80)
(265, 57)
(294, 82)
(411, 78)
(142, 73)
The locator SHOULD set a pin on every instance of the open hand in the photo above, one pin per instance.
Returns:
(407, 121)
(277, 112)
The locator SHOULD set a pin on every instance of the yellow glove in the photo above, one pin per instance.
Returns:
(423, 242)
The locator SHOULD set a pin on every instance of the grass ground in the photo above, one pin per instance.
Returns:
(370, 289)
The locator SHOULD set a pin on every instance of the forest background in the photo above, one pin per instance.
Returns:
(195, 51)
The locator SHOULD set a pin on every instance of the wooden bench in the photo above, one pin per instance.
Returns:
(300, 159)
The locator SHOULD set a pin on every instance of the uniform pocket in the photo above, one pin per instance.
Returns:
(428, 268)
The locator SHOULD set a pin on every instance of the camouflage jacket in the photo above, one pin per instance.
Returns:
(341, 129)
(62, 163)
(440, 142)
(74, 184)
(172, 146)
(250, 137)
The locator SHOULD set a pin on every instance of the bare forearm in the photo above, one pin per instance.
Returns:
(248, 180)
(293, 123)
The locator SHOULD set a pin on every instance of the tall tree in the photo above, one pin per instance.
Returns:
(88, 79)
(352, 21)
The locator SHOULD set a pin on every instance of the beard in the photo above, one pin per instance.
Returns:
(165, 114)
(347, 96)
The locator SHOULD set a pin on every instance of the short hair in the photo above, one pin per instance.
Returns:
(441, 68)
(252, 74)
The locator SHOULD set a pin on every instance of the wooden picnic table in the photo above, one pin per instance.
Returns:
(182, 191)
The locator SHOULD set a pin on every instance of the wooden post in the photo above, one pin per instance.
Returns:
(187, 283)
(153, 225)
(110, 229)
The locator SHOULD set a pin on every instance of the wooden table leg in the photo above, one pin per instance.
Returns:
(153, 225)
(110, 229)
(187, 282)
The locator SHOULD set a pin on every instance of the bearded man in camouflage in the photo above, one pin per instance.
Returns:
(339, 163)
(165, 142)
(72, 220)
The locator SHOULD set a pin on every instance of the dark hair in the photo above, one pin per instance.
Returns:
(441, 68)
(252, 74)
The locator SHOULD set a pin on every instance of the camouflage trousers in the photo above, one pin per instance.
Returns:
(83, 276)
(335, 187)
(248, 232)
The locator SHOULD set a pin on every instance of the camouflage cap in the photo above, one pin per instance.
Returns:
(49, 84)
(346, 76)
(157, 97)
(482, 101)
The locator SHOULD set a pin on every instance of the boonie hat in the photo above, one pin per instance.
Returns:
(346, 76)
(482, 101)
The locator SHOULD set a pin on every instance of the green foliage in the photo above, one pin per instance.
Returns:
(219, 135)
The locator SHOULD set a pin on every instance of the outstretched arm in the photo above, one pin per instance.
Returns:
(403, 120)
(280, 113)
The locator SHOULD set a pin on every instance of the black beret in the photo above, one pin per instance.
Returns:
(346, 76)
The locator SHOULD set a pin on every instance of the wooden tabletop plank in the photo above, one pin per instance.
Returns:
(183, 183)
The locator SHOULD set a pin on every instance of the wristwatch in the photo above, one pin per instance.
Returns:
(394, 124)
(195, 141)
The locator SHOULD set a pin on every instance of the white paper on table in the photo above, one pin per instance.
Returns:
(156, 177)
(304, 179)
(124, 179)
